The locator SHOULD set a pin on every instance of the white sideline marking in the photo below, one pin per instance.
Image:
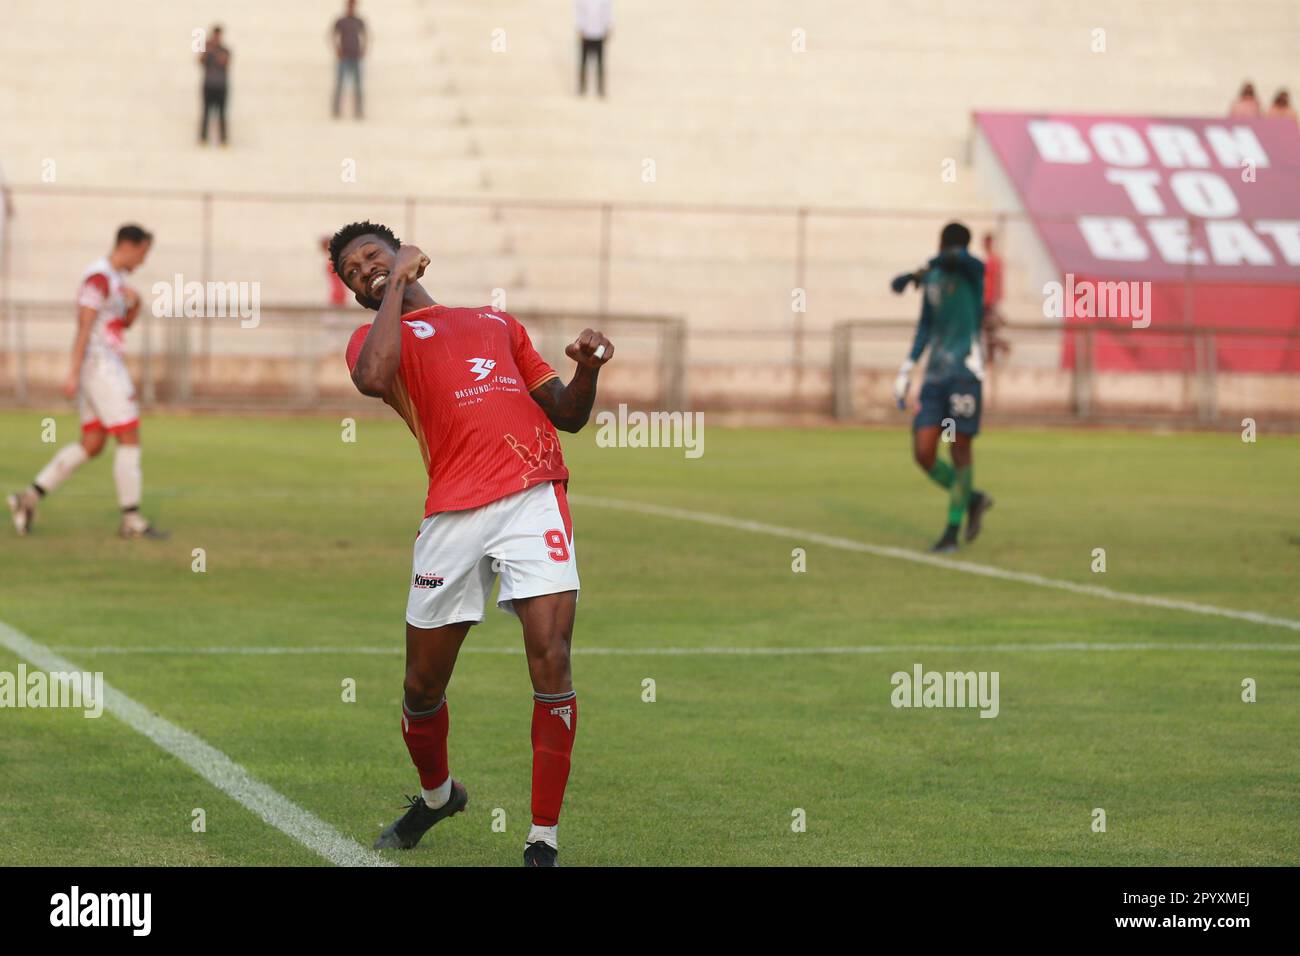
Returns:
(255, 650)
(884, 551)
(210, 763)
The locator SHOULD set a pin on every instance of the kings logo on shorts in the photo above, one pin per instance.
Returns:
(426, 579)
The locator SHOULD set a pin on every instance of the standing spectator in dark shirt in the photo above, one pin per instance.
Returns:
(595, 24)
(350, 41)
(215, 60)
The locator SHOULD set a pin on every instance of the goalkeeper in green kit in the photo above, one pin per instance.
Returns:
(952, 287)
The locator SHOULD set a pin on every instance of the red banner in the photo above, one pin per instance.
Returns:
(1205, 210)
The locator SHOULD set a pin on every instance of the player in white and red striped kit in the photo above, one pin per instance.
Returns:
(99, 380)
(483, 406)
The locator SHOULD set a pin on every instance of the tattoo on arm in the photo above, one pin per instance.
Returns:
(568, 406)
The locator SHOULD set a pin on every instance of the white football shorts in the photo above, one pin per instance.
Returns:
(107, 397)
(526, 537)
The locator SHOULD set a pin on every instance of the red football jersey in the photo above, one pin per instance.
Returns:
(992, 279)
(462, 388)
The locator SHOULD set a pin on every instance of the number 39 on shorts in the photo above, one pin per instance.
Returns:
(962, 405)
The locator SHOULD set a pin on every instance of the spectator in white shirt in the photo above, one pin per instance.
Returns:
(595, 25)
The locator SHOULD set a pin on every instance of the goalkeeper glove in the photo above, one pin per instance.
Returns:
(901, 383)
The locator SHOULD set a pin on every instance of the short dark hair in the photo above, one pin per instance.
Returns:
(339, 241)
(954, 234)
(136, 235)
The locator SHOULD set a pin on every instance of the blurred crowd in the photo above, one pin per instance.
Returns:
(1247, 105)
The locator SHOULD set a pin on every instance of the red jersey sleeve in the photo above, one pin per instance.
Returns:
(535, 369)
(93, 291)
(354, 345)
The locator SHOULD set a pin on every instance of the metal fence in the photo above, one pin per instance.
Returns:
(1054, 371)
(728, 270)
(725, 272)
(293, 356)
(293, 359)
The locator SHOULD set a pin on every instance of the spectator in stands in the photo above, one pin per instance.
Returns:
(1246, 106)
(1281, 107)
(350, 42)
(595, 26)
(215, 60)
(994, 343)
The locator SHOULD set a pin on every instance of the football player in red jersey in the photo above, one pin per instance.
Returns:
(484, 407)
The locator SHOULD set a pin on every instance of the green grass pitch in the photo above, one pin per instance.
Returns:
(307, 541)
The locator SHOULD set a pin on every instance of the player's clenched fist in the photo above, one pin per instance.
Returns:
(591, 349)
(410, 263)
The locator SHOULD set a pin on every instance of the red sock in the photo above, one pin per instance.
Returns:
(555, 722)
(426, 739)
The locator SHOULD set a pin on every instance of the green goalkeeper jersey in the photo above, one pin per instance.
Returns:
(951, 309)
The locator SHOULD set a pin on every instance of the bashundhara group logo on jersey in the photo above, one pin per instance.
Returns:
(481, 367)
(426, 579)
